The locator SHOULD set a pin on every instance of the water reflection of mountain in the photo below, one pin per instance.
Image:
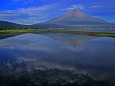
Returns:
(71, 39)
(5, 36)
(52, 58)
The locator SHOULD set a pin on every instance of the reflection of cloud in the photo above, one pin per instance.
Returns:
(75, 49)
(65, 60)
(73, 7)
(44, 65)
(31, 42)
(37, 64)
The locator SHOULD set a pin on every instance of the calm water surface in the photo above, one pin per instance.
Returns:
(79, 53)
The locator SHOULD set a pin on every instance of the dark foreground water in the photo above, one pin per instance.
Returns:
(57, 60)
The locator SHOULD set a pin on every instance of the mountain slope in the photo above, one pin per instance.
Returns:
(5, 25)
(75, 17)
(8, 23)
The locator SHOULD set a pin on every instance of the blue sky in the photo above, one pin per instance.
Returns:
(35, 11)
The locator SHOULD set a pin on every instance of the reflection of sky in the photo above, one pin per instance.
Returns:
(30, 42)
(100, 51)
(44, 50)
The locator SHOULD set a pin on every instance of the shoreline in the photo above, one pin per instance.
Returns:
(103, 34)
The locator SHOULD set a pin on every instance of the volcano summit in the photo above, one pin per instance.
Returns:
(75, 17)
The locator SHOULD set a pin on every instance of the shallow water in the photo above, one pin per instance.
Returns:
(85, 54)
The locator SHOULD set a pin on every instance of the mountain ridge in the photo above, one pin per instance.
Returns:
(75, 17)
(2, 22)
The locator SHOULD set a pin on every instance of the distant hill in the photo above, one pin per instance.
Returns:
(5, 25)
(75, 17)
(8, 23)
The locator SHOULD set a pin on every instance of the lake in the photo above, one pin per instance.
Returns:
(55, 59)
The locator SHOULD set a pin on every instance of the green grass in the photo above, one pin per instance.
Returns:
(57, 31)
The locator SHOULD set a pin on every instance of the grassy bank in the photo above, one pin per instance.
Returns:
(57, 31)
(83, 32)
(19, 31)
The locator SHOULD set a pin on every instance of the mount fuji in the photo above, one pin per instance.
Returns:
(75, 17)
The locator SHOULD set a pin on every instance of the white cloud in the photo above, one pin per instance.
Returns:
(29, 1)
(24, 1)
(8, 15)
(7, 11)
(27, 21)
(73, 7)
(27, 15)
(35, 10)
(95, 6)
(30, 11)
